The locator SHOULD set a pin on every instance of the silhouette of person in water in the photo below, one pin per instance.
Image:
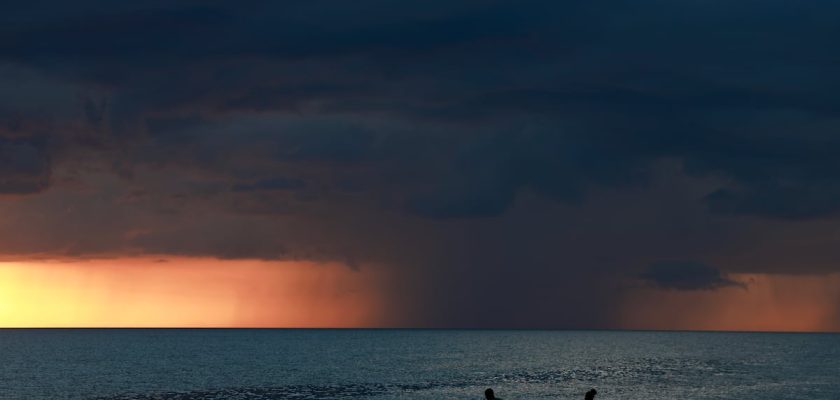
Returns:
(489, 395)
(590, 395)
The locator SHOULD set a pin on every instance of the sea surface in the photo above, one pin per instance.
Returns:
(170, 364)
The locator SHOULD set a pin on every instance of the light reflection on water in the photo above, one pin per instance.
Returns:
(416, 364)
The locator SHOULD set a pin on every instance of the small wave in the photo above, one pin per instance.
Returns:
(301, 392)
(651, 370)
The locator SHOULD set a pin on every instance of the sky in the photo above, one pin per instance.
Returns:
(598, 164)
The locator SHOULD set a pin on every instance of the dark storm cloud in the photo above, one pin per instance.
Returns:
(24, 166)
(686, 275)
(535, 149)
(270, 184)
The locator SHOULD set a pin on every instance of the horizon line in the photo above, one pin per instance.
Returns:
(408, 329)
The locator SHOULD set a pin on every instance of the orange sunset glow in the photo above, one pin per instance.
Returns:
(184, 293)
(780, 303)
(190, 292)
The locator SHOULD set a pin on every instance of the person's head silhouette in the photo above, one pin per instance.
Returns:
(488, 394)
(590, 395)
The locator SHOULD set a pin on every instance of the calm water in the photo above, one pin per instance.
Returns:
(408, 364)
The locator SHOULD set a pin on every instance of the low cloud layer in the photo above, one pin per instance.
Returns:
(686, 275)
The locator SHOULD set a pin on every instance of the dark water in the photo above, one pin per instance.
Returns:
(414, 364)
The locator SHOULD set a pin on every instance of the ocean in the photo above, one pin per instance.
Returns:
(191, 364)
